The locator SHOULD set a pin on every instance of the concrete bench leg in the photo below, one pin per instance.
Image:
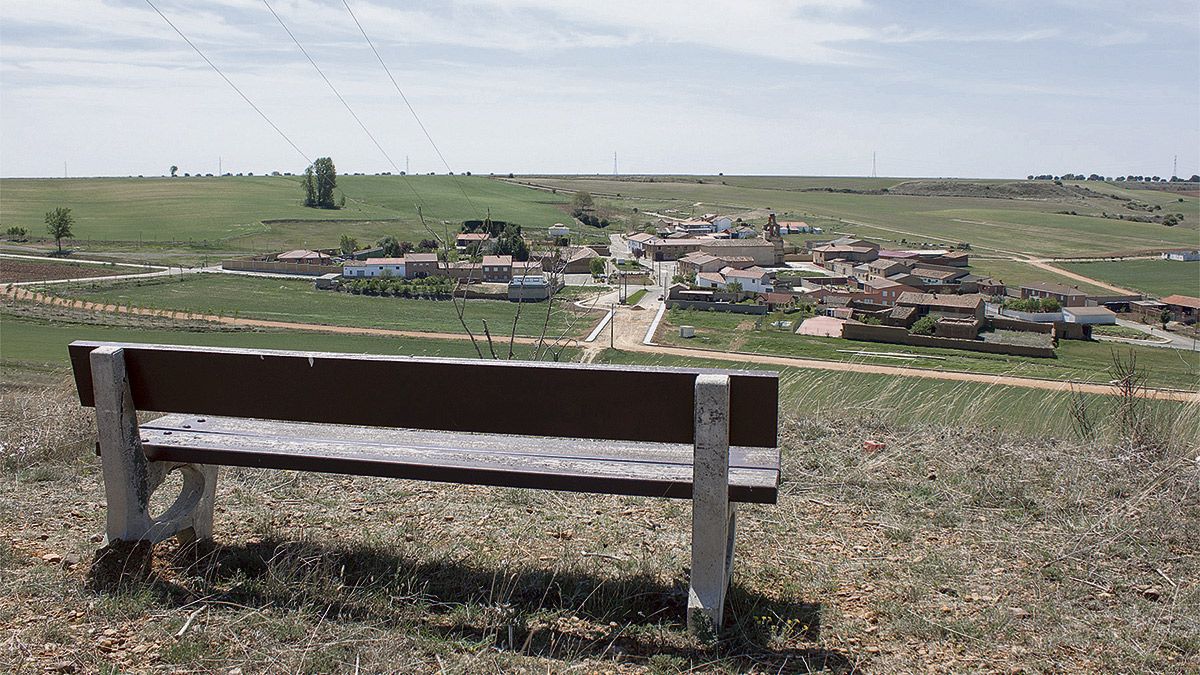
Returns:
(130, 479)
(713, 521)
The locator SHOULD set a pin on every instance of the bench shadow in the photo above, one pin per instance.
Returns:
(536, 611)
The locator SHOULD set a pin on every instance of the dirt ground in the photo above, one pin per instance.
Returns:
(947, 551)
(14, 270)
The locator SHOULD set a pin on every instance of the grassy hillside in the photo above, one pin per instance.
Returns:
(1010, 225)
(228, 213)
(1016, 273)
(1155, 277)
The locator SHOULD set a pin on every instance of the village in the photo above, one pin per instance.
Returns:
(842, 287)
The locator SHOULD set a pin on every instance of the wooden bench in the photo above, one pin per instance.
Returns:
(705, 435)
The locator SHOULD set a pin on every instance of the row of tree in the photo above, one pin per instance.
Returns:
(1195, 178)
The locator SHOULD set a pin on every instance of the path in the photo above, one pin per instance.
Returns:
(1036, 262)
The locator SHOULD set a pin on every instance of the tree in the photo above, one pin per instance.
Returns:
(310, 187)
(1164, 318)
(58, 224)
(597, 266)
(325, 182)
(174, 170)
(348, 244)
(924, 326)
(391, 247)
(510, 242)
(582, 200)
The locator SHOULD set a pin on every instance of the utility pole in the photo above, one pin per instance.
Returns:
(874, 174)
(218, 166)
(406, 169)
(64, 168)
(1175, 167)
(614, 162)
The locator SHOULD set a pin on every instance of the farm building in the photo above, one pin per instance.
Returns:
(1093, 316)
(374, 267)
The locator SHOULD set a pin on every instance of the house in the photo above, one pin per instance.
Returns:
(856, 253)
(668, 248)
(306, 257)
(710, 280)
(1067, 296)
(882, 269)
(1147, 311)
(1183, 308)
(528, 268)
(931, 276)
(721, 223)
(970, 305)
(695, 263)
(694, 226)
(777, 301)
(1093, 316)
(989, 286)
(637, 242)
(417, 265)
(374, 267)
(529, 288)
(759, 250)
(465, 240)
(752, 279)
(558, 230)
(889, 291)
(497, 268)
(574, 260)
(1182, 255)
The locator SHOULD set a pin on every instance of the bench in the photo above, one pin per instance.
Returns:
(705, 435)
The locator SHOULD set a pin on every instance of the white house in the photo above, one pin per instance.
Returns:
(637, 242)
(374, 267)
(559, 230)
(752, 279)
(722, 223)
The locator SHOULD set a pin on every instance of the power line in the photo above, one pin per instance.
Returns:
(410, 107)
(229, 82)
(344, 103)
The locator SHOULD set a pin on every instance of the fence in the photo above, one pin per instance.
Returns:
(900, 336)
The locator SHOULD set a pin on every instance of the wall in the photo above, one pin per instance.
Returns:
(900, 336)
(1002, 323)
(1036, 317)
(717, 307)
(280, 267)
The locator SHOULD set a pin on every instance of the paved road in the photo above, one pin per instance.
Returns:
(1175, 341)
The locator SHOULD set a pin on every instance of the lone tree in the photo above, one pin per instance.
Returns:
(597, 266)
(320, 180)
(174, 170)
(348, 244)
(58, 224)
(582, 200)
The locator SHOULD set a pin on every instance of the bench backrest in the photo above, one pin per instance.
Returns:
(503, 397)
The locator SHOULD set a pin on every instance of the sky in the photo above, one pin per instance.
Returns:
(974, 88)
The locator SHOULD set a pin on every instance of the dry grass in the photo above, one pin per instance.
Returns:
(949, 550)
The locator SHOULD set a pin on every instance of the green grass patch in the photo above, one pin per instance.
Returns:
(298, 301)
(636, 296)
(1154, 276)
(1017, 273)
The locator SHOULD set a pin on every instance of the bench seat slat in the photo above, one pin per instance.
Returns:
(646, 469)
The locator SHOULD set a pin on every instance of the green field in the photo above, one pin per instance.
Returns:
(1017, 273)
(830, 395)
(298, 301)
(263, 213)
(1077, 360)
(1006, 225)
(161, 218)
(1154, 277)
